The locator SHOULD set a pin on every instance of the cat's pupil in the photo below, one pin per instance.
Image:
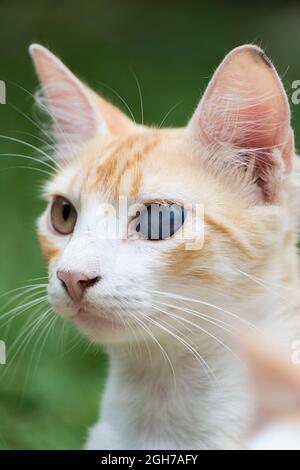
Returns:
(66, 210)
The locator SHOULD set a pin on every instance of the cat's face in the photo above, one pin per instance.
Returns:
(219, 176)
(138, 169)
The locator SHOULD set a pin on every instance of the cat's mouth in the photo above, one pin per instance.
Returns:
(104, 319)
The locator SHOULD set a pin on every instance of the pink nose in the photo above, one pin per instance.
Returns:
(76, 283)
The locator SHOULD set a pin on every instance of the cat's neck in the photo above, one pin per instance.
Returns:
(152, 391)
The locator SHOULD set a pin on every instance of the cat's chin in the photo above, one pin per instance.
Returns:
(106, 322)
(99, 328)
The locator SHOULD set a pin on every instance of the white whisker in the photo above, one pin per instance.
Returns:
(164, 353)
(181, 340)
(140, 96)
(208, 333)
(208, 304)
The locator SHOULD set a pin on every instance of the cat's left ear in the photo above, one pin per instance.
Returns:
(78, 114)
(245, 109)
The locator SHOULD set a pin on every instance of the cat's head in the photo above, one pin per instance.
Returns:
(226, 173)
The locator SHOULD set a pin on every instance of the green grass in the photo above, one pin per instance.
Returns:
(49, 397)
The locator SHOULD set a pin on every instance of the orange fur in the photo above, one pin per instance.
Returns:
(49, 251)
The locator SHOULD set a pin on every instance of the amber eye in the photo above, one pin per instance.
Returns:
(63, 216)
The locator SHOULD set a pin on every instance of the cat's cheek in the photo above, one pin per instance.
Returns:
(49, 251)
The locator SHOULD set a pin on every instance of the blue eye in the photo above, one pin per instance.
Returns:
(160, 221)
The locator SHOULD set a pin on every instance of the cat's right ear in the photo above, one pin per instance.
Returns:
(245, 112)
(78, 114)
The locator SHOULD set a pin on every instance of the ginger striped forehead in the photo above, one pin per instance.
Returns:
(119, 166)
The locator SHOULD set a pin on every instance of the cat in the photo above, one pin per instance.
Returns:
(168, 311)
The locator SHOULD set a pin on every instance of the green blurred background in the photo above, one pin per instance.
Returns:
(49, 392)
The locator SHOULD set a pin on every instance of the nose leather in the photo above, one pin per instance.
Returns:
(76, 283)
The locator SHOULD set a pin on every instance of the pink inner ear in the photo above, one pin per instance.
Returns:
(72, 108)
(247, 103)
(73, 117)
(245, 106)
